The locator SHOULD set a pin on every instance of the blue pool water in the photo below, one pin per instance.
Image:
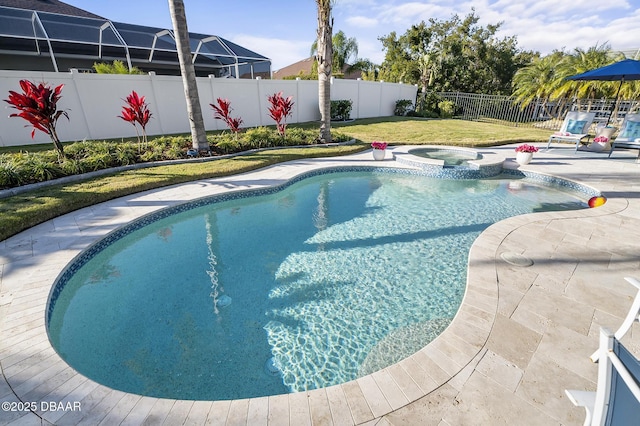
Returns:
(327, 280)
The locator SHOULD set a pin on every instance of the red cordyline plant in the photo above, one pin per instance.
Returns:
(137, 112)
(222, 111)
(279, 110)
(39, 106)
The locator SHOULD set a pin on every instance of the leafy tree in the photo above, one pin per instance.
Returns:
(398, 63)
(453, 55)
(324, 59)
(546, 78)
(536, 80)
(581, 61)
(369, 70)
(187, 70)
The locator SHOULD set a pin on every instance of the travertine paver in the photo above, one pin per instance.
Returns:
(522, 335)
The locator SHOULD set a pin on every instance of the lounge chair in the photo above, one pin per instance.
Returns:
(616, 400)
(574, 128)
(629, 136)
(632, 316)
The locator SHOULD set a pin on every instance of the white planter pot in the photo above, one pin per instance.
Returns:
(523, 158)
(599, 146)
(378, 154)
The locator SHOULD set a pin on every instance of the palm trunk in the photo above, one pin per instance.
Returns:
(325, 58)
(187, 70)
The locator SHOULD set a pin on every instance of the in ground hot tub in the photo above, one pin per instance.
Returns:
(450, 162)
(451, 157)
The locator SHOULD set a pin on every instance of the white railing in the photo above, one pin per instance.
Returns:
(540, 113)
(94, 101)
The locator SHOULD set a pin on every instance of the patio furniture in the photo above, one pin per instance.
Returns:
(629, 136)
(574, 128)
(632, 316)
(616, 400)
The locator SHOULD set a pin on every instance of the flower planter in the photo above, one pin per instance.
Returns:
(523, 158)
(378, 154)
(599, 146)
(607, 132)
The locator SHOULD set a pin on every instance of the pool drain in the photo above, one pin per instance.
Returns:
(271, 367)
(223, 301)
(516, 259)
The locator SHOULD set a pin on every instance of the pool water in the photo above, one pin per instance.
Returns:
(451, 158)
(330, 279)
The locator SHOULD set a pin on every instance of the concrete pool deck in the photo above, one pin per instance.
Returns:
(522, 335)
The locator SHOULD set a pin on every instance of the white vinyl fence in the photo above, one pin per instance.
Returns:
(94, 101)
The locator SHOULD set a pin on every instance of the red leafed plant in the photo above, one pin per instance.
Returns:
(279, 110)
(222, 111)
(137, 112)
(39, 106)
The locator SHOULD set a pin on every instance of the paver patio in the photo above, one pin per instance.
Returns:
(522, 335)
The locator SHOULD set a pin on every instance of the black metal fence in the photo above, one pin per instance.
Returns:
(540, 113)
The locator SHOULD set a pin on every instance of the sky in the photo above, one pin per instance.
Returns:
(284, 30)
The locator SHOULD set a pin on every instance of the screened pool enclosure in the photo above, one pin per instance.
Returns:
(43, 41)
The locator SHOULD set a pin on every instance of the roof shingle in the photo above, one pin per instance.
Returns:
(51, 6)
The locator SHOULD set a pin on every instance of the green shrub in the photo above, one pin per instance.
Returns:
(72, 166)
(403, 106)
(9, 172)
(428, 103)
(34, 168)
(78, 150)
(126, 153)
(169, 147)
(423, 114)
(98, 161)
(341, 109)
(447, 108)
(299, 136)
(260, 137)
(225, 143)
(85, 156)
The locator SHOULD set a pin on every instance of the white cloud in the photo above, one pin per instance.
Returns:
(362, 22)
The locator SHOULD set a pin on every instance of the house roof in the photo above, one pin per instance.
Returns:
(51, 6)
(304, 67)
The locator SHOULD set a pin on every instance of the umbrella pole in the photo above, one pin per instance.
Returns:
(615, 102)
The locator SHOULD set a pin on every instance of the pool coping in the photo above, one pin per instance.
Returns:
(34, 372)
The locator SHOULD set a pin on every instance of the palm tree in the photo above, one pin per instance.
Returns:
(324, 59)
(187, 70)
(582, 61)
(344, 49)
(537, 80)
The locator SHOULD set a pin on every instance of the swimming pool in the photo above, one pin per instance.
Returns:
(341, 275)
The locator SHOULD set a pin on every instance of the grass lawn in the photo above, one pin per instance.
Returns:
(403, 130)
(23, 211)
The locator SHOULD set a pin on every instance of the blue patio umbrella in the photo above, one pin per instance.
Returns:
(625, 70)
